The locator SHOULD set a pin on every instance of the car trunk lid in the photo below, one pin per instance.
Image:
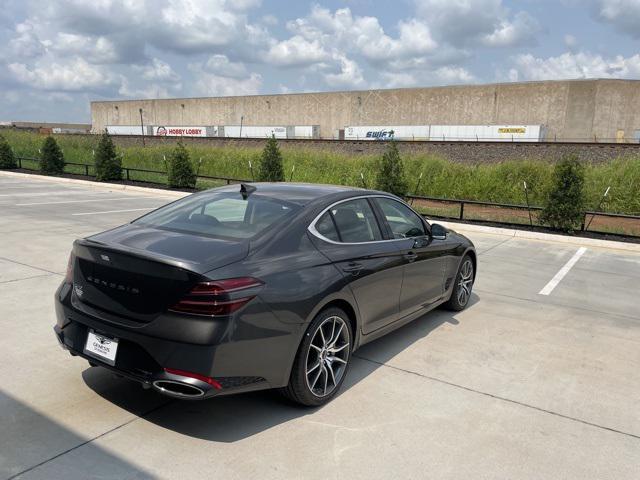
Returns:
(137, 273)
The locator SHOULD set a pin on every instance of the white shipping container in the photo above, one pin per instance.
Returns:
(68, 130)
(387, 132)
(487, 133)
(126, 130)
(306, 131)
(252, 131)
(182, 131)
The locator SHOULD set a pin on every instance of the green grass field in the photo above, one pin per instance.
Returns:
(500, 182)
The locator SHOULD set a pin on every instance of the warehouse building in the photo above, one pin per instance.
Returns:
(567, 110)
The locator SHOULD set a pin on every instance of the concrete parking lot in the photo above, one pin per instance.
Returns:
(519, 385)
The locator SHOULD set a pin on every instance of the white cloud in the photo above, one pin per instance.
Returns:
(74, 75)
(209, 84)
(297, 51)
(341, 31)
(220, 65)
(98, 50)
(438, 76)
(624, 15)
(465, 22)
(152, 90)
(26, 42)
(574, 65)
(157, 70)
(510, 33)
(570, 41)
(350, 75)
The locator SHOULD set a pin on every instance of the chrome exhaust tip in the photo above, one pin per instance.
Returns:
(178, 389)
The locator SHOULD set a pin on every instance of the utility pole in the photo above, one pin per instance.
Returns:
(142, 127)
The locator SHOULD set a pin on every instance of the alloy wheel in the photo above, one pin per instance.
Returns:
(465, 282)
(327, 356)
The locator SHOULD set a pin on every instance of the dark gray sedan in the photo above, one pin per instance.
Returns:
(256, 286)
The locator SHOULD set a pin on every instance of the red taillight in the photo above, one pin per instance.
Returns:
(221, 297)
(211, 381)
(69, 276)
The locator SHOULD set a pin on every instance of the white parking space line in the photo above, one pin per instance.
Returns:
(116, 211)
(553, 283)
(80, 201)
(54, 192)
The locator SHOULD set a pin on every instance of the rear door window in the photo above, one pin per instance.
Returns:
(354, 221)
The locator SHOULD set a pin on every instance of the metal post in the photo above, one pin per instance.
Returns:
(417, 187)
(362, 178)
(86, 169)
(606, 192)
(127, 170)
(142, 126)
(293, 168)
(526, 196)
(241, 122)
(253, 177)
(461, 210)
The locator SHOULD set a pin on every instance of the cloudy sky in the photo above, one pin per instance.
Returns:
(57, 55)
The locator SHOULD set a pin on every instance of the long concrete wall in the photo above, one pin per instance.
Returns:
(579, 110)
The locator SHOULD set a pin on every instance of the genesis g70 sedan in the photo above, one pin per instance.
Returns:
(256, 286)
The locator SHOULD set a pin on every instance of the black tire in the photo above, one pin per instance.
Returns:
(299, 389)
(460, 295)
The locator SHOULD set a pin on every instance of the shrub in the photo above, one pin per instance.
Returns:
(51, 158)
(7, 158)
(390, 173)
(565, 203)
(108, 163)
(271, 169)
(181, 174)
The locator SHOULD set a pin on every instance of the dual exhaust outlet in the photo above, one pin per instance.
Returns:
(178, 389)
(182, 384)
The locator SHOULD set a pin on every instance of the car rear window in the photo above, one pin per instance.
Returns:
(225, 215)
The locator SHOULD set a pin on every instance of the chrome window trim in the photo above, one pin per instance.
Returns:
(312, 226)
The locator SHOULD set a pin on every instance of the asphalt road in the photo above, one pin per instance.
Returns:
(519, 385)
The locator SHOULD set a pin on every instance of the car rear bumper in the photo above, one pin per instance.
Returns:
(251, 350)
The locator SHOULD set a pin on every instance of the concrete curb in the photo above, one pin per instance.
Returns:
(100, 185)
(461, 227)
(547, 237)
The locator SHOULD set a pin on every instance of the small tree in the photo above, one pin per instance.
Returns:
(271, 169)
(51, 158)
(7, 158)
(565, 202)
(108, 163)
(181, 174)
(390, 173)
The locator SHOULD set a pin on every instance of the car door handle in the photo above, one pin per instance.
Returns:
(411, 256)
(353, 268)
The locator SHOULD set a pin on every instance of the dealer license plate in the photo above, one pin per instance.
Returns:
(101, 347)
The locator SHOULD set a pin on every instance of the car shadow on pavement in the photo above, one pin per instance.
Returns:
(236, 417)
(35, 445)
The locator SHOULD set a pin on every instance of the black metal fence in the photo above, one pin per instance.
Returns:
(129, 174)
(432, 207)
(519, 215)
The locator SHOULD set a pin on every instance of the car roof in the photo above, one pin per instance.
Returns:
(299, 193)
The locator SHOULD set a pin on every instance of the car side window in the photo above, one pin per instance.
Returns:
(403, 221)
(355, 222)
(326, 227)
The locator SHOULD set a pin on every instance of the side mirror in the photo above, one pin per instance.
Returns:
(438, 232)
